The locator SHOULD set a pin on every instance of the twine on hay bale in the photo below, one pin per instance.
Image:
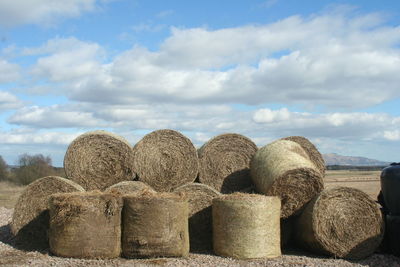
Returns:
(200, 198)
(155, 225)
(342, 222)
(85, 225)
(165, 159)
(225, 162)
(127, 187)
(311, 150)
(282, 168)
(30, 219)
(246, 226)
(99, 159)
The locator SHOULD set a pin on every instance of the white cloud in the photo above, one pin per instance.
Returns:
(9, 72)
(267, 115)
(392, 135)
(34, 137)
(44, 12)
(9, 101)
(54, 117)
(70, 60)
(329, 60)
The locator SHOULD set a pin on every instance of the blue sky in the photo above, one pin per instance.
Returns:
(326, 70)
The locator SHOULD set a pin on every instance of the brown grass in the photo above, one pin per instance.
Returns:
(9, 194)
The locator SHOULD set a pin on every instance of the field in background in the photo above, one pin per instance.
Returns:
(367, 181)
(9, 194)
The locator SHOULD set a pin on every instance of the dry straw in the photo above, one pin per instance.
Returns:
(30, 220)
(165, 159)
(246, 226)
(155, 225)
(85, 225)
(200, 198)
(311, 150)
(127, 187)
(99, 159)
(283, 168)
(225, 162)
(342, 222)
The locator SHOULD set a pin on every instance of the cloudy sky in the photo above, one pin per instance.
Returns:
(326, 70)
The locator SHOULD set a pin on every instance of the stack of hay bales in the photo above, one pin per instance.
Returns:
(225, 162)
(137, 182)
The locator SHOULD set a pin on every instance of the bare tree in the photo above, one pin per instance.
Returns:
(32, 167)
(3, 170)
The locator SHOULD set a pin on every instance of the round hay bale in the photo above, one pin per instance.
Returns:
(155, 225)
(225, 162)
(311, 150)
(343, 222)
(127, 187)
(85, 225)
(246, 226)
(200, 198)
(30, 220)
(165, 160)
(99, 159)
(284, 169)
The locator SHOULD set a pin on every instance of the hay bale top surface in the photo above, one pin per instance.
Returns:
(99, 159)
(247, 198)
(165, 159)
(34, 199)
(200, 196)
(127, 187)
(149, 195)
(347, 222)
(225, 162)
(311, 150)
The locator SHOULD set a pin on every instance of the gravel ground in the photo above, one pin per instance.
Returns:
(10, 256)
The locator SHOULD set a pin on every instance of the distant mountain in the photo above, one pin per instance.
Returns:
(336, 159)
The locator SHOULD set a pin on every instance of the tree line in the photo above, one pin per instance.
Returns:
(28, 169)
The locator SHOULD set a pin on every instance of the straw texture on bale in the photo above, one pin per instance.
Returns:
(85, 225)
(225, 162)
(311, 150)
(342, 222)
(127, 187)
(99, 159)
(30, 220)
(155, 225)
(200, 198)
(246, 226)
(165, 159)
(284, 169)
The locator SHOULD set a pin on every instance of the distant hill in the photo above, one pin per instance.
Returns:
(336, 159)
